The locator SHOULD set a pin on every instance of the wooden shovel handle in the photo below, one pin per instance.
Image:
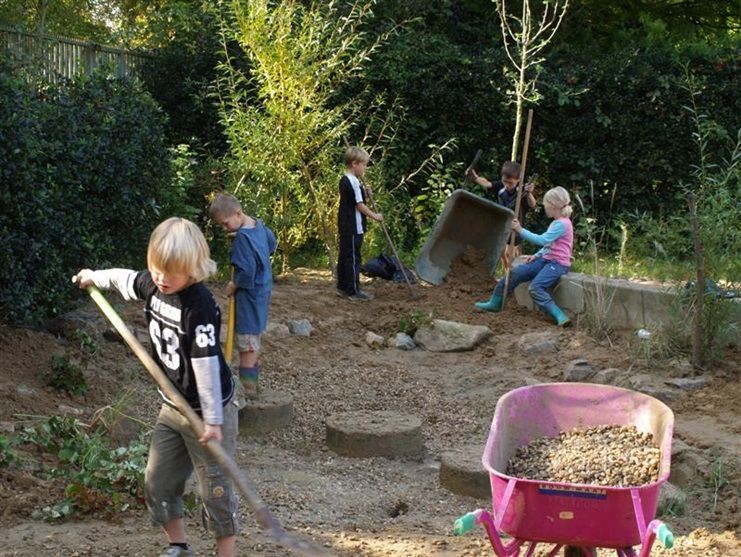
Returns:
(229, 349)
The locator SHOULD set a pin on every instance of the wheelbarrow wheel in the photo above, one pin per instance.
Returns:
(574, 551)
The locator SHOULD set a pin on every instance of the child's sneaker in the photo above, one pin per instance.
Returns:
(360, 296)
(177, 551)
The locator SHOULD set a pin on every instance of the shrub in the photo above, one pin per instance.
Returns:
(66, 376)
(84, 177)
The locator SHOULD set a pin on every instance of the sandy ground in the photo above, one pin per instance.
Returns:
(370, 507)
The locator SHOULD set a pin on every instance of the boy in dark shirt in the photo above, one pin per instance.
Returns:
(184, 322)
(351, 223)
(504, 192)
(252, 284)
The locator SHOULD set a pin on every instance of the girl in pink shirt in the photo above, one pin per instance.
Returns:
(545, 268)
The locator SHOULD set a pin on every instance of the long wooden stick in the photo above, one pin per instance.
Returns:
(518, 201)
(263, 515)
(412, 293)
(229, 349)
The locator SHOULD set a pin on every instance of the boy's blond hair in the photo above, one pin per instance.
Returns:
(356, 154)
(178, 246)
(224, 205)
(559, 198)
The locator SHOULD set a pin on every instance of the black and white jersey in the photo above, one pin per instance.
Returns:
(184, 338)
(349, 220)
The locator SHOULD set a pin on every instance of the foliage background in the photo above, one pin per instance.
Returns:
(611, 127)
(85, 173)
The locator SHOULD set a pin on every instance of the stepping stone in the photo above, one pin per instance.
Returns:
(462, 472)
(366, 433)
(270, 411)
(451, 336)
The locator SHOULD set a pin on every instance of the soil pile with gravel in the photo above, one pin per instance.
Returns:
(615, 456)
(470, 272)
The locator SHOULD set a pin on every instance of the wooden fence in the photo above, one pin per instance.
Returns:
(59, 57)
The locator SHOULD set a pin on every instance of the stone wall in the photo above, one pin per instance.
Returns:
(634, 304)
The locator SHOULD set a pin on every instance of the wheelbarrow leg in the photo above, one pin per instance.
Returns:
(655, 528)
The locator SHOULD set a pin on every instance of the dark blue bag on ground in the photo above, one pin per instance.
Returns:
(388, 268)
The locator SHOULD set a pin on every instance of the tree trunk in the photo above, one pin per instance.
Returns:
(700, 287)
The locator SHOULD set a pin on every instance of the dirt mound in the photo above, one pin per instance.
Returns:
(470, 273)
(352, 505)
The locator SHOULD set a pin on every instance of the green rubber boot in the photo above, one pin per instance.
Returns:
(492, 304)
(562, 320)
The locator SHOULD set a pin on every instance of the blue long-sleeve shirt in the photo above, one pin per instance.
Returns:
(253, 277)
(554, 232)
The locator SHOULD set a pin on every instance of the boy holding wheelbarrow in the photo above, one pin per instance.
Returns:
(504, 192)
(184, 322)
(252, 284)
(351, 223)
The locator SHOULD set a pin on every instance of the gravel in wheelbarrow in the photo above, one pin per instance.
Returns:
(607, 455)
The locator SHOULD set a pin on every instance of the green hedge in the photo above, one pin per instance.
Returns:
(84, 176)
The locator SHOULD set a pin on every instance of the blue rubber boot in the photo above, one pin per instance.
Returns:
(562, 320)
(492, 304)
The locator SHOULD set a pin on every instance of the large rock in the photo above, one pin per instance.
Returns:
(271, 410)
(300, 327)
(651, 386)
(402, 341)
(578, 370)
(534, 344)
(67, 324)
(688, 383)
(449, 336)
(124, 430)
(277, 331)
(462, 472)
(374, 340)
(366, 433)
(609, 376)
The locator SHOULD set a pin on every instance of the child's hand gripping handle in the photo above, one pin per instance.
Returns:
(229, 349)
(263, 515)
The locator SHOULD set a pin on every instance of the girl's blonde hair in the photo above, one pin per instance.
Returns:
(178, 246)
(559, 198)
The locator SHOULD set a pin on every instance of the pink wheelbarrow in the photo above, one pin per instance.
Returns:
(579, 517)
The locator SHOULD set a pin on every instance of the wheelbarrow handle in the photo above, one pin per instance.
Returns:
(466, 523)
(665, 536)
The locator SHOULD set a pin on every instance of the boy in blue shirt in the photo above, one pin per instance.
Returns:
(252, 285)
